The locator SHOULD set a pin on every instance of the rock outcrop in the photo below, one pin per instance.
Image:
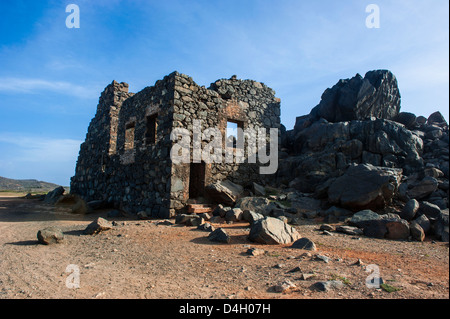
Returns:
(365, 186)
(358, 98)
(356, 151)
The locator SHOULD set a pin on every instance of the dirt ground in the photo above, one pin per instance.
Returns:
(140, 259)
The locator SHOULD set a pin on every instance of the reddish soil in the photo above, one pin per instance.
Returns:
(140, 259)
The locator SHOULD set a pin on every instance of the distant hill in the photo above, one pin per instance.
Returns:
(25, 185)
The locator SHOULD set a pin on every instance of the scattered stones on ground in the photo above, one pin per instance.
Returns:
(219, 235)
(322, 258)
(97, 226)
(206, 227)
(304, 243)
(284, 287)
(255, 252)
(50, 235)
(328, 285)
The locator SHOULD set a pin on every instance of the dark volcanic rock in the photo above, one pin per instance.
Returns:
(397, 229)
(219, 235)
(417, 232)
(251, 216)
(349, 230)
(358, 98)
(423, 222)
(436, 118)
(365, 187)
(432, 211)
(304, 243)
(324, 150)
(407, 119)
(423, 188)
(441, 226)
(363, 218)
(410, 209)
(375, 229)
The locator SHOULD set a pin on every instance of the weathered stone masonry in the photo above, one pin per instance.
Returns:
(125, 159)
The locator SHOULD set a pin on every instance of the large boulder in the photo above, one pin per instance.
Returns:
(432, 211)
(409, 210)
(436, 118)
(423, 188)
(363, 218)
(365, 186)
(423, 222)
(417, 232)
(358, 98)
(224, 192)
(397, 229)
(272, 231)
(389, 226)
(407, 119)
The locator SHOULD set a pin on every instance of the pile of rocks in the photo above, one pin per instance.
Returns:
(264, 227)
(356, 151)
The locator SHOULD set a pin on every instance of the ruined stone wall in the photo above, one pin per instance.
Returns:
(134, 179)
(125, 159)
(140, 176)
(90, 180)
(255, 105)
(251, 104)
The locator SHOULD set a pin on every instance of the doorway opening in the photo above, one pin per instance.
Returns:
(197, 180)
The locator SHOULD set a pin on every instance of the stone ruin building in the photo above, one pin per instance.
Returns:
(125, 159)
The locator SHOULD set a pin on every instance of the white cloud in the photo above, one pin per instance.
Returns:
(35, 149)
(34, 86)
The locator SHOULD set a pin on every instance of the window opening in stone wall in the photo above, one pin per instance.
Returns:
(129, 136)
(150, 132)
(233, 134)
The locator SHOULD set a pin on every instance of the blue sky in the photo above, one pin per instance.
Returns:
(51, 76)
